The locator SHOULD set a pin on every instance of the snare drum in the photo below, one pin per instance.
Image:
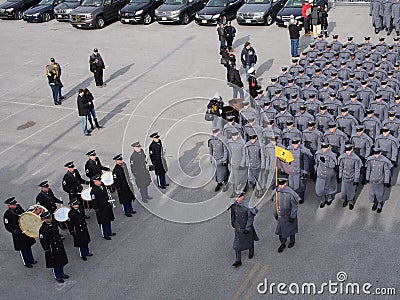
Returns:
(30, 224)
(87, 198)
(36, 209)
(61, 216)
(107, 178)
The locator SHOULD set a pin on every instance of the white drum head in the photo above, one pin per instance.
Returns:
(107, 178)
(86, 194)
(61, 214)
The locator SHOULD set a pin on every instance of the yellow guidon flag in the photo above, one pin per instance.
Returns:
(284, 155)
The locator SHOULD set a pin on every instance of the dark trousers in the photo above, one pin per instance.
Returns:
(106, 229)
(55, 89)
(229, 42)
(283, 240)
(84, 251)
(239, 254)
(161, 180)
(307, 25)
(98, 77)
(58, 272)
(127, 208)
(27, 256)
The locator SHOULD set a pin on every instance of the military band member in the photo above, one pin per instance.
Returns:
(140, 172)
(238, 162)
(256, 163)
(72, 184)
(21, 241)
(325, 168)
(123, 185)
(93, 166)
(78, 229)
(156, 152)
(242, 218)
(285, 213)
(378, 177)
(46, 197)
(102, 207)
(349, 173)
(219, 158)
(53, 246)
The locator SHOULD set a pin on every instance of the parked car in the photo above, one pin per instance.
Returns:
(139, 11)
(259, 11)
(14, 9)
(95, 13)
(62, 11)
(218, 11)
(293, 7)
(41, 12)
(178, 11)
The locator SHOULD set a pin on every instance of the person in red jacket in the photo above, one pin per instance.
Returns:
(306, 13)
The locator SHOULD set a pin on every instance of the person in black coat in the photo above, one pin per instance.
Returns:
(138, 162)
(253, 85)
(22, 242)
(53, 247)
(91, 110)
(230, 33)
(83, 110)
(221, 35)
(78, 229)
(158, 160)
(102, 207)
(46, 197)
(93, 166)
(235, 82)
(123, 186)
(72, 184)
(97, 66)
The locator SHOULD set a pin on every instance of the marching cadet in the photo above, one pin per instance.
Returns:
(329, 69)
(346, 122)
(267, 113)
(291, 88)
(53, 246)
(385, 64)
(318, 79)
(356, 108)
(270, 161)
(295, 68)
(102, 207)
(138, 162)
(362, 147)
(156, 152)
(387, 16)
(282, 117)
(379, 73)
(351, 45)
(313, 104)
(375, 57)
(284, 77)
(123, 185)
(312, 52)
(78, 229)
(270, 131)
(373, 83)
(242, 219)
(369, 65)
(325, 91)
(72, 184)
(378, 177)
(312, 139)
(302, 118)
(367, 44)
(320, 43)
(372, 125)
(256, 164)
(279, 100)
(343, 72)
(325, 169)
(271, 88)
(365, 94)
(260, 99)
(396, 46)
(323, 118)
(252, 128)
(289, 133)
(335, 138)
(386, 92)
(380, 107)
(360, 73)
(393, 83)
(349, 174)
(388, 144)
(285, 212)
(344, 92)
(21, 241)
(333, 105)
(248, 112)
(46, 197)
(238, 162)
(301, 79)
(230, 127)
(219, 158)
(344, 53)
(301, 166)
(93, 166)
(393, 124)
(354, 83)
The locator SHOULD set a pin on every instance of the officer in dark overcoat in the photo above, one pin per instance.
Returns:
(46, 197)
(93, 166)
(138, 162)
(156, 152)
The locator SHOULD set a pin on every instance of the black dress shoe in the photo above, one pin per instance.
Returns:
(322, 205)
(112, 234)
(65, 276)
(84, 258)
(128, 215)
(107, 238)
(345, 202)
(301, 201)
(162, 187)
(351, 206)
(60, 280)
(87, 217)
(379, 210)
(149, 198)
(281, 247)
(251, 255)
(167, 184)
(237, 264)
(132, 212)
(376, 30)
(89, 254)
(291, 245)
(329, 203)
(34, 262)
(29, 266)
(218, 187)
(374, 206)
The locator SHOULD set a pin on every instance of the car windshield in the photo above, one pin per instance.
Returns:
(92, 3)
(139, 1)
(175, 2)
(294, 3)
(45, 2)
(258, 1)
(217, 3)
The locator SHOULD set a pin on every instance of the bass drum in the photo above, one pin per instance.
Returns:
(30, 224)
(87, 198)
(36, 209)
(108, 179)
(61, 216)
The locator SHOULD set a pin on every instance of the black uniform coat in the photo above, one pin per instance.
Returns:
(94, 167)
(139, 169)
(72, 184)
(102, 207)
(157, 157)
(125, 193)
(10, 220)
(78, 228)
(53, 246)
(83, 106)
(48, 200)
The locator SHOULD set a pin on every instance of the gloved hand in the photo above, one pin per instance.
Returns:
(394, 163)
(388, 185)
(304, 175)
(291, 220)
(355, 183)
(246, 231)
(322, 159)
(276, 218)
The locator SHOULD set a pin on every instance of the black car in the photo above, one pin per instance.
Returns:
(293, 7)
(218, 11)
(139, 11)
(259, 11)
(62, 11)
(14, 9)
(41, 12)
(178, 11)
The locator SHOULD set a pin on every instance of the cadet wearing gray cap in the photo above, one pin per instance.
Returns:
(301, 167)
(140, 170)
(219, 158)
(378, 177)
(238, 162)
(256, 163)
(325, 168)
(362, 144)
(372, 125)
(388, 144)
(285, 206)
(335, 138)
(349, 174)
(46, 197)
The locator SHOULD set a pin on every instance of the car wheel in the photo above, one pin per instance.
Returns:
(147, 19)
(100, 22)
(46, 17)
(185, 18)
(18, 15)
(269, 19)
(223, 20)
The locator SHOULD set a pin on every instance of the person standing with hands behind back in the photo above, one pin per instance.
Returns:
(96, 67)
(294, 34)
